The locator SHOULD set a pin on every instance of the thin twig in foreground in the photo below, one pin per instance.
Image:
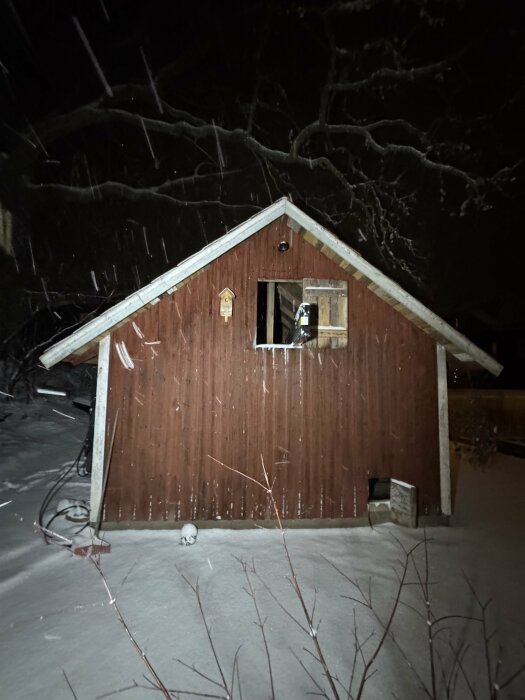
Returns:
(158, 683)
(69, 684)
(260, 621)
(195, 589)
(294, 581)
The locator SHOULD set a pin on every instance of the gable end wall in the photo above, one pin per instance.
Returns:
(323, 421)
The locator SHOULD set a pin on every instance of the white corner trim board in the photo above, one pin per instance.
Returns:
(444, 450)
(99, 432)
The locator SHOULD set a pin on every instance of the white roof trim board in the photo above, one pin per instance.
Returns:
(463, 348)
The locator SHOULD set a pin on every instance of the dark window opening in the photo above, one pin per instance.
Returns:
(379, 489)
(278, 306)
(307, 311)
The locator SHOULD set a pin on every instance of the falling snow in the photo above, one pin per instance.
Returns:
(151, 81)
(93, 58)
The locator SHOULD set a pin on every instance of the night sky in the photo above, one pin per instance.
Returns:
(132, 134)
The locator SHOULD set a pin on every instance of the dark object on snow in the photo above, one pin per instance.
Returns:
(89, 546)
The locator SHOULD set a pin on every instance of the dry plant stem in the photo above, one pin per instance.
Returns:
(69, 685)
(159, 685)
(387, 626)
(486, 645)
(431, 623)
(235, 670)
(447, 679)
(118, 691)
(250, 478)
(224, 685)
(366, 601)
(500, 686)
(461, 667)
(295, 583)
(358, 651)
(354, 661)
(239, 682)
(260, 621)
(283, 608)
(298, 591)
(206, 678)
(198, 695)
(321, 692)
(424, 583)
(494, 686)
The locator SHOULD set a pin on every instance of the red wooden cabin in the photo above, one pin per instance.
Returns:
(199, 383)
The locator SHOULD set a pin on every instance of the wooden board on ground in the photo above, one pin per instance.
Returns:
(403, 503)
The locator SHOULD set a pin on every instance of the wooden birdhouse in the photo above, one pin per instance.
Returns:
(226, 303)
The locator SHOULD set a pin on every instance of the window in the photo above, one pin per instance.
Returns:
(379, 489)
(309, 312)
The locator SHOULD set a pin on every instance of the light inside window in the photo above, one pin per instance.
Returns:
(294, 313)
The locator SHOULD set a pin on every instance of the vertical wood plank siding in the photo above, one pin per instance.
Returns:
(323, 420)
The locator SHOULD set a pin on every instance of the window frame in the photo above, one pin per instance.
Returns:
(339, 287)
(274, 281)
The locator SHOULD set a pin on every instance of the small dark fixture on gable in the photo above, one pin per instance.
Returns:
(283, 246)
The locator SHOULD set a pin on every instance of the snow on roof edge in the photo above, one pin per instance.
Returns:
(159, 285)
(192, 264)
(394, 290)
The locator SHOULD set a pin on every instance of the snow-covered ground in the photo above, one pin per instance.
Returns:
(61, 637)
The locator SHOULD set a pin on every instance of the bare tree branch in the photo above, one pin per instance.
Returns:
(396, 75)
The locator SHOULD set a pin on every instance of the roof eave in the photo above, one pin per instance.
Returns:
(457, 343)
(394, 290)
(102, 324)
